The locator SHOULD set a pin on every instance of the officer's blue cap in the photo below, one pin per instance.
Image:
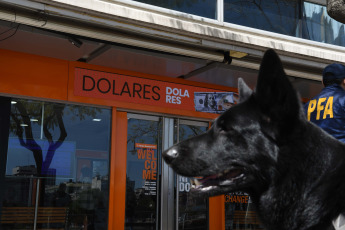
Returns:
(333, 71)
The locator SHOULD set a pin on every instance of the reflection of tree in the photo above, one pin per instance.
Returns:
(141, 131)
(30, 142)
(24, 112)
(188, 131)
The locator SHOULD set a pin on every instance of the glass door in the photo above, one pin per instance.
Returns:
(143, 172)
(157, 198)
(240, 213)
(192, 211)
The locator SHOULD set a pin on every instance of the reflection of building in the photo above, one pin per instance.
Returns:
(98, 182)
(31, 170)
(24, 170)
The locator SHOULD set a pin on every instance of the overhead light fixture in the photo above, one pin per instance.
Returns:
(13, 102)
(96, 119)
(237, 54)
(75, 41)
(24, 125)
(33, 120)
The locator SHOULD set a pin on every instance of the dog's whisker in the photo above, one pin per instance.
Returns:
(226, 182)
(208, 188)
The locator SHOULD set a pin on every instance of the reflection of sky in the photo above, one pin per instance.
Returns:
(275, 16)
(135, 172)
(203, 8)
(284, 17)
(86, 133)
(81, 134)
(89, 134)
(21, 156)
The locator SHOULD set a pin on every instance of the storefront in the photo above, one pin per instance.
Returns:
(87, 155)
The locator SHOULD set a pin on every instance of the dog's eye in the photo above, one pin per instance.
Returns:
(222, 131)
(225, 129)
(222, 127)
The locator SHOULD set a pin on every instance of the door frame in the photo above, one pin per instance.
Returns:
(118, 169)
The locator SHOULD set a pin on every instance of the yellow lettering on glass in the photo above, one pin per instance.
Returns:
(329, 108)
(311, 108)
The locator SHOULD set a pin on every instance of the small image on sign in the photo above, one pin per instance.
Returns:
(214, 102)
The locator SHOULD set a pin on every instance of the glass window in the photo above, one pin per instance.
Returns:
(319, 26)
(192, 209)
(203, 8)
(280, 16)
(143, 173)
(58, 159)
(240, 212)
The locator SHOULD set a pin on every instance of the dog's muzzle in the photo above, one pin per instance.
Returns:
(170, 154)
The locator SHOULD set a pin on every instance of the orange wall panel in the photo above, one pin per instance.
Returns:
(42, 77)
(112, 179)
(217, 213)
(118, 173)
(32, 75)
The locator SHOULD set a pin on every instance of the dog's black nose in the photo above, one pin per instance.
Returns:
(170, 154)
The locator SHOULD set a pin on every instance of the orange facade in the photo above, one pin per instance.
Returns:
(30, 76)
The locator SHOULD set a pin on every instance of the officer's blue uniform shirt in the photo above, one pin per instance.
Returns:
(327, 110)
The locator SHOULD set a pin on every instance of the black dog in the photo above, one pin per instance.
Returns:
(293, 170)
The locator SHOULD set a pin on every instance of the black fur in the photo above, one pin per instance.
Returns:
(264, 146)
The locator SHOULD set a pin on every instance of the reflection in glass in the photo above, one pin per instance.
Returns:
(280, 16)
(192, 210)
(319, 26)
(240, 213)
(143, 173)
(203, 8)
(57, 159)
(290, 17)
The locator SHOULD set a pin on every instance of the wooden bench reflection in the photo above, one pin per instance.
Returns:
(25, 215)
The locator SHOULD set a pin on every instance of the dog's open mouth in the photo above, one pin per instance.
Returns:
(226, 178)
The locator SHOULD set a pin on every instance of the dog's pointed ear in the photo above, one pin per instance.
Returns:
(244, 90)
(275, 95)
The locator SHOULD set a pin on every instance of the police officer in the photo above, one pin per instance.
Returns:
(327, 109)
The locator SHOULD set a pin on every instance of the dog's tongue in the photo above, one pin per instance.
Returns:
(214, 179)
(233, 173)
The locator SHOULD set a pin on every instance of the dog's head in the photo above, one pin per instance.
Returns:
(242, 148)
